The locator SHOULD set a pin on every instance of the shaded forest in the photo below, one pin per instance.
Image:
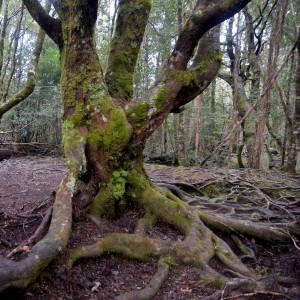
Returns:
(207, 95)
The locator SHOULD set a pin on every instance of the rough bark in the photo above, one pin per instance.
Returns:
(3, 32)
(293, 162)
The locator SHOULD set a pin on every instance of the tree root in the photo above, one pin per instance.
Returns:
(166, 204)
(231, 225)
(20, 274)
(152, 288)
(199, 246)
(35, 236)
(197, 249)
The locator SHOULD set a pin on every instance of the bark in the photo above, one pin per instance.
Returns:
(293, 162)
(3, 33)
(197, 106)
(125, 45)
(240, 100)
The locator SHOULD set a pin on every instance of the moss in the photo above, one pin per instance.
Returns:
(74, 147)
(138, 115)
(136, 247)
(103, 204)
(166, 210)
(218, 282)
(125, 46)
(96, 137)
(223, 252)
(183, 77)
(110, 196)
(262, 270)
(80, 116)
(213, 55)
(117, 131)
(160, 96)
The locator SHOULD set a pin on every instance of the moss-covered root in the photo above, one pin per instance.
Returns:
(129, 245)
(248, 252)
(236, 284)
(152, 288)
(229, 259)
(231, 225)
(20, 274)
(147, 222)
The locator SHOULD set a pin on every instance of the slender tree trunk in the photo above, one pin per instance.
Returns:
(16, 37)
(181, 117)
(276, 35)
(197, 122)
(3, 34)
(286, 108)
(293, 162)
(240, 100)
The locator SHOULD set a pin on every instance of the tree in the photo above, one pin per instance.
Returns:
(104, 134)
(28, 88)
(293, 162)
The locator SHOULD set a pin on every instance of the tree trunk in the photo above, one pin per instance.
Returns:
(197, 122)
(275, 39)
(293, 162)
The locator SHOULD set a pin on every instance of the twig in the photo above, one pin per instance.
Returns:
(256, 293)
(37, 233)
(294, 241)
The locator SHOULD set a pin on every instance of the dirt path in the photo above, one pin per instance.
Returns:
(27, 188)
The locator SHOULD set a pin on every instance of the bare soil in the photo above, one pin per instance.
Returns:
(27, 189)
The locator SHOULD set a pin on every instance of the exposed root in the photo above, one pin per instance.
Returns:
(20, 274)
(152, 288)
(25, 245)
(197, 249)
(248, 252)
(234, 213)
(129, 245)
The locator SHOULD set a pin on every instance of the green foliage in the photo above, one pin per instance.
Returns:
(49, 68)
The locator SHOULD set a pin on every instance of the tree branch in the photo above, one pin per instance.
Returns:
(50, 25)
(204, 17)
(31, 76)
(125, 45)
(178, 85)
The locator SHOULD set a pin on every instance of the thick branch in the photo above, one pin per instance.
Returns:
(178, 85)
(50, 25)
(125, 46)
(205, 16)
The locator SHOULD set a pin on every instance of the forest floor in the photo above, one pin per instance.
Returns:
(27, 190)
